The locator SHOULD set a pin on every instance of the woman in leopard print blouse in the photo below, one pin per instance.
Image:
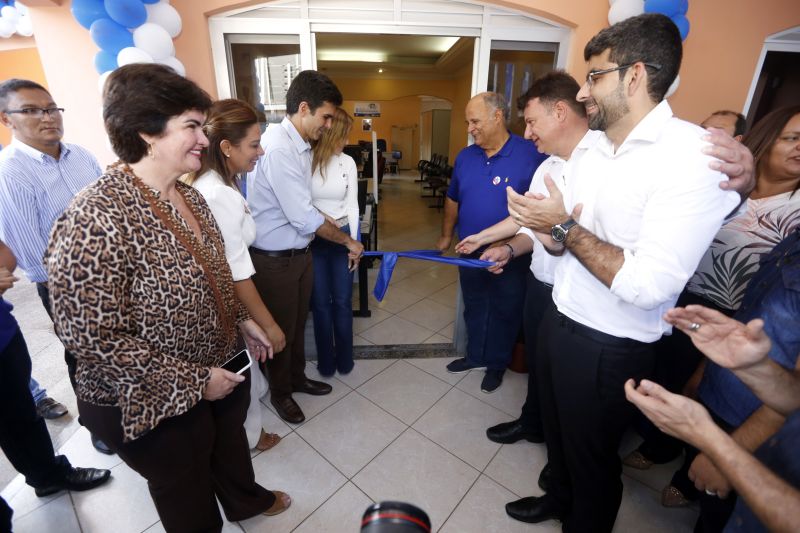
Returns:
(143, 295)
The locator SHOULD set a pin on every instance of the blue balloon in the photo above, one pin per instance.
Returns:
(129, 13)
(110, 36)
(665, 7)
(87, 11)
(151, 1)
(683, 25)
(105, 61)
(684, 7)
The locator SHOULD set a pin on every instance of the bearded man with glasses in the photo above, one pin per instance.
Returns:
(39, 176)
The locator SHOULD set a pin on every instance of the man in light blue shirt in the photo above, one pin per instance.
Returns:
(286, 222)
(39, 176)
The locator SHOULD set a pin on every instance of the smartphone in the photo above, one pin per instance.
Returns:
(238, 363)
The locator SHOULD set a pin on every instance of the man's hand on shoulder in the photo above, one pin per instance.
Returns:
(735, 160)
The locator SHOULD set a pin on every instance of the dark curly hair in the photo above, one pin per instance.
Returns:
(141, 98)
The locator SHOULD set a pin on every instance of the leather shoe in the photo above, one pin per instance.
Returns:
(76, 479)
(288, 409)
(511, 432)
(101, 446)
(50, 409)
(534, 509)
(546, 478)
(315, 388)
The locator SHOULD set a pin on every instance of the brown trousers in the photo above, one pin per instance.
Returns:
(191, 459)
(285, 284)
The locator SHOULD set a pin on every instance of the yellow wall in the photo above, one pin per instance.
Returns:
(21, 63)
(720, 53)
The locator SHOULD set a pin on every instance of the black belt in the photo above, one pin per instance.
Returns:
(280, 253)
(595, 335)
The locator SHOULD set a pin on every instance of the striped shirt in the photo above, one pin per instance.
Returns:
(35, 189)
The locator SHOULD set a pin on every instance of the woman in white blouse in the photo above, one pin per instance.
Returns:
(234, 148)
(334, 187)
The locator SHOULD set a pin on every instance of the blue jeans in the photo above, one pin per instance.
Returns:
(332, 306)
(493, 306)
(37, 391)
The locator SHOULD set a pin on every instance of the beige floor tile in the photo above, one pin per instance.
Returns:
(340, 514)
(339, 435)
(122, 505)
(364, 370)
(517, 467)
(397, 330)
(422, 283)
(641, 511)
(428, 314)
(458, 424)
(509, 398)
(437, 339)
(80, 452)
(437, 366)
(483, 510)
(395, 300)
(358, 340)
(404, 391)
(295, 468)
(361, 324)
(56, 515)
(396, 474)
(447, 331)
(446, 296)
(21, 498)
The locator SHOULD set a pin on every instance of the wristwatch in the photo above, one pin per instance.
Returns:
(559, 231)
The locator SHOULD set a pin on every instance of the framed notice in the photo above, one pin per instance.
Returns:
(367, 109)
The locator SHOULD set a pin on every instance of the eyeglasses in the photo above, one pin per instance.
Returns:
(38, 112)
(590, 77)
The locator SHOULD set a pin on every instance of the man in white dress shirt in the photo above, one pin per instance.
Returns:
(286, 222)
(645, 205)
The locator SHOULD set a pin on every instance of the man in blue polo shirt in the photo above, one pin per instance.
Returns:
(476, 200)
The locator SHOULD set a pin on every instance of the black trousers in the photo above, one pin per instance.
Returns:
(69, 357)
(537, 299)
(191, 460)
(23, 433)
(285, 285)
(581, 374)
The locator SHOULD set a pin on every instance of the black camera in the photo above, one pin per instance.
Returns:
(395, 517)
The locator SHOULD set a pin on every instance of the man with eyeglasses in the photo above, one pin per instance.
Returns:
(646, 201)
(39, 176)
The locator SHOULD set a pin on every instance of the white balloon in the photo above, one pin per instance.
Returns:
(673, 87)
(9, 13)
(154, 40)
(623, 9)
(101, 83)
(165, 16)
(131, 54)
(21, 9)
(612, 2)
(7, 28)
(24, 26)
(175, 64)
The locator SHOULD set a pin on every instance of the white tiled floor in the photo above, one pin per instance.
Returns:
(392, 429)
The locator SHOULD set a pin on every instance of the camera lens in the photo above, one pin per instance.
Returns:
(395, 517)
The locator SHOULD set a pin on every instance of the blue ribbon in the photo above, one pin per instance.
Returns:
(390, 260)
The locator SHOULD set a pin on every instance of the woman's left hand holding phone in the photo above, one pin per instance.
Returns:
(221, 384)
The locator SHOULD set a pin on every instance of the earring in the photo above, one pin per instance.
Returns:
(150, 152)
(227, 155)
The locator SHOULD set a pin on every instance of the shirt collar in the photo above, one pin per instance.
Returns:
(32, 152)
(505, 150)
(294, 135)
(647, 130)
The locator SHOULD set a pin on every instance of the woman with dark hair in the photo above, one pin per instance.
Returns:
(771, 214)
(234, 146)
(334, 188)
(143, 295)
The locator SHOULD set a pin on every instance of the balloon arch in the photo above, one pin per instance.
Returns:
(130, 31)
(674, 9)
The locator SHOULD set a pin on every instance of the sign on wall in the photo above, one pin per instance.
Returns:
(367, 109)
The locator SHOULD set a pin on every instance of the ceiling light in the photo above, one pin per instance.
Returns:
(380, 71)
(365, 56)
